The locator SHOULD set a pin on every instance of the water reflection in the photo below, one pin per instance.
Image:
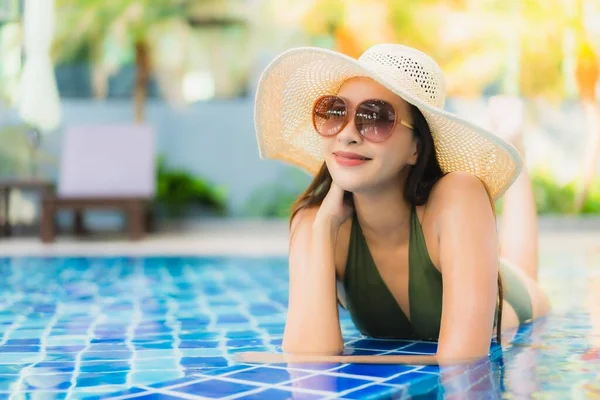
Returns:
(513, 370)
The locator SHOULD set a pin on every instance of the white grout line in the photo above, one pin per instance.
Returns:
(284, 385)
(266, 386)
(178, 394)
(135, 321)
(24, 372)
(378, 380)
(99, 316)
(244, 394)
(202, 301)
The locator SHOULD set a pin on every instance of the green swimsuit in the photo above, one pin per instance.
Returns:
(374, 309)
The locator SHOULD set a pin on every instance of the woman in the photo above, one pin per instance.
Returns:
(398, 225)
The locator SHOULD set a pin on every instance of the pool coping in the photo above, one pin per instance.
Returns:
(230, 238)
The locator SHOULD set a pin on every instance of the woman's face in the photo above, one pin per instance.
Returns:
(386, 159)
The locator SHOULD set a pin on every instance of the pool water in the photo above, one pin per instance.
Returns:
(168, 327)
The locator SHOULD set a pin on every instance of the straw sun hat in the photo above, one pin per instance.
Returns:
(293, 81)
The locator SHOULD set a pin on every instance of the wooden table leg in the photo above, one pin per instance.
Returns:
(6, 228)
(78, 222)
(136, 220)
(47, 227)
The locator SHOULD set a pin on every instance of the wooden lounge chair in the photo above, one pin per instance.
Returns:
(104, 167)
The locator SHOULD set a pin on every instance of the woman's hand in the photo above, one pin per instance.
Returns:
(334, 210)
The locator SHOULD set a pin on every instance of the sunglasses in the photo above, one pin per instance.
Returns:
(375, 120)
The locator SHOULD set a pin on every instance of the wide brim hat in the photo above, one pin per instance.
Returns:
(292, 82)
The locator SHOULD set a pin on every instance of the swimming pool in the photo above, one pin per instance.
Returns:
(168, 327)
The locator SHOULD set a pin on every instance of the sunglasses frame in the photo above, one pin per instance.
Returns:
(353, 110)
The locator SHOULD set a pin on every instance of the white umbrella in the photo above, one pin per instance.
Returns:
(38, 95)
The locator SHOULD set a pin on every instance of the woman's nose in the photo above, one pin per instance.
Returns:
(349, 134)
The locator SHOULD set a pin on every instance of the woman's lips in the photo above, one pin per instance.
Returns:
(349, 159)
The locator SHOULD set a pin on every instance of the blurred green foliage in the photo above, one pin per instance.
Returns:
(179, 190)
(273, 200)
(554, 198)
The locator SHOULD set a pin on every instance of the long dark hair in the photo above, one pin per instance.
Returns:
(421, 179)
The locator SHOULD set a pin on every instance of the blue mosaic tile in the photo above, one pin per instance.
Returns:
(374, 370)
(244, 342)
(223, 371)
(19, 349)
(204, 362)
(19, 358)
(328, 383)
(245, 334)
(90, 356)
(275, 394)
(421, 347)
(410, 377)
(194, 344)
(60, 357)
(179, 381)
(120, 340)
(361, 352)
(7, 381)
(199, 335)
(434, 369)
(64, 349)
(46, 382)
(214, 388)
(153, 345)
(307, 366)
(104, 367)
(126, 392)
(159, 396)
(196, 313)
(232, 318)
(89, 379)
(156, 375)
(64, 367)
(11, 369)
(376, 391)
(22, 342)
(38, 394)
(270, 376)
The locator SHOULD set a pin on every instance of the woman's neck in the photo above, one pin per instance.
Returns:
(383, 215)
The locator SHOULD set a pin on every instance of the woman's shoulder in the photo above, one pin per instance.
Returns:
(457, 183)
(454, 192)
(455, 187)
(305, 215)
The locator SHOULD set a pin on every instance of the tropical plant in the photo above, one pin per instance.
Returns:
(546, 52)
(153, 35)
(586, 74)
(178, 190)
(19, 154)
(273, 200)
(553, 198)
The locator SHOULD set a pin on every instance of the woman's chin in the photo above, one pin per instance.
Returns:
(350, 179)
(349, 183)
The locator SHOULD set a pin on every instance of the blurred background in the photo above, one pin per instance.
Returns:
(189, 69)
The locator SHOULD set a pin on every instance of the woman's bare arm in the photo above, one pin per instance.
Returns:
(469, 263)
(312, 325)
(468, 246)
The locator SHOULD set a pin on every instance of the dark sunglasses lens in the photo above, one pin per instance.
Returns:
(375, 120)
(329, 115)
